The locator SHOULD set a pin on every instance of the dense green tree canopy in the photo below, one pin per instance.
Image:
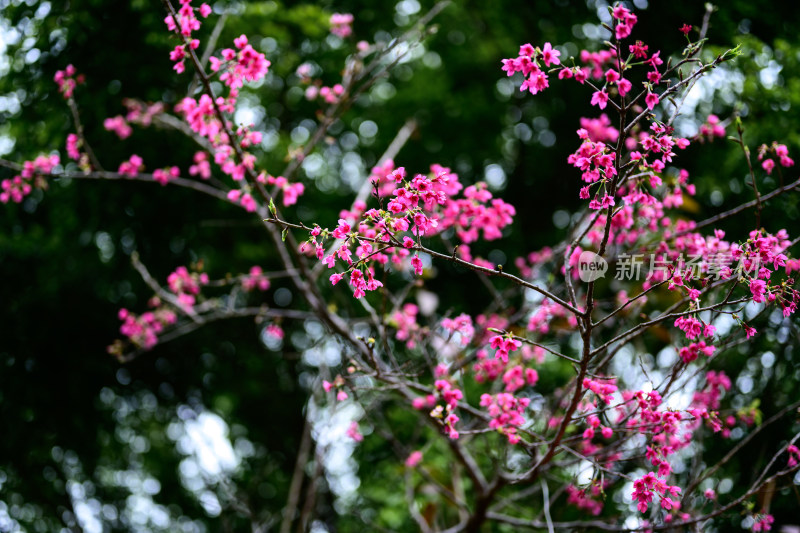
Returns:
(203, 432)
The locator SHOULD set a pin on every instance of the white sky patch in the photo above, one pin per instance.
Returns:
(87, 510)
(203, 437)
(724, 323)
(207, 440)
(6, 522)
(323, 354)
(585, 473)
(682, 398)
(406, 52)
(8, 35)
(768, 75)
(446, 351)
(245, 115)
(495, 176)
(723, 82)
(329, 430)
(6, 145)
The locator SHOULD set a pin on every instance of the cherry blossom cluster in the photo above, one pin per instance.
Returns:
(67, 81)
(598, 165)
(337, 386)
(142, 113)
(255, 279)
(690, 353)
(330, 95)
(186, 285)
(528, 62)
(599, 129)
(517, 377)
(545, 313)
(537, 80)
(200, 114)
(382, 179)
(767, 155)
(32, 175)
(762, 255)
(119, 126)
(14, 190)
(413, 459)
(423, 402)
(594, 425)
(641, 214)
(423, 206)
(514, 373)
(143, 330)
(530, 266)
(597, 160)
(290, 191)
(694, 327)
(274, 331)
(405, 321)
(504, 345)
(187, 22)
(597, 64)
(315, 87)
(461, 325)
(763, 522)
(716, 383)
(201, 166)
(649, 485)
(131, 167)
(604, 389)
(445, 414)
(240, 65)
(477, 213)
(505, 409)
(712, 255)
(73, 147)
(353, 432)
(487, 369)
(671, 430)
(236, 67)
(794, 455)
(506, 412)
(588, 499)
(712, 128)
(165, 175)
(341, 24)
(625, 22)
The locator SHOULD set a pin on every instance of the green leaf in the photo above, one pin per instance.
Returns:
(733, 53)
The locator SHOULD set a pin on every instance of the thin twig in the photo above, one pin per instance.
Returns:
(297, 478)
(76, 118)
(212, 44)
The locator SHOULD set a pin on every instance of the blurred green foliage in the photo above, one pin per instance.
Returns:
(72, 416)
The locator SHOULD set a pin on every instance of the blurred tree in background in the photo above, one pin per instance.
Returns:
(203, 433)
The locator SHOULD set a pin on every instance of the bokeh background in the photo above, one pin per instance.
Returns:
(201, 433)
